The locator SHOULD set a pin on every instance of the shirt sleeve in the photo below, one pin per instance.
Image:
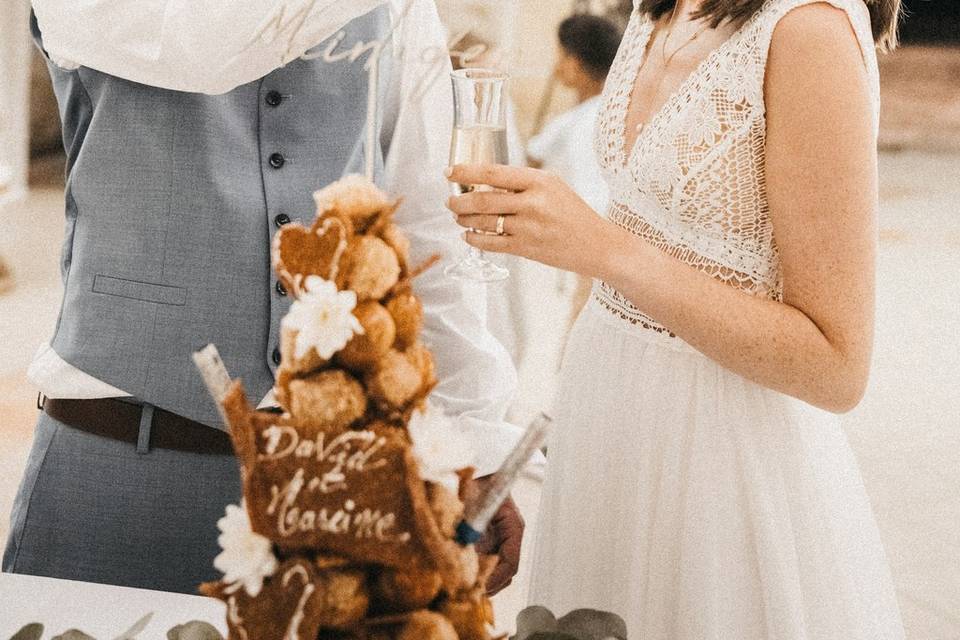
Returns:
(203, 46)
(477, 377)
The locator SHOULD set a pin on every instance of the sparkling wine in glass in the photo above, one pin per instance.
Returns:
(479, 137)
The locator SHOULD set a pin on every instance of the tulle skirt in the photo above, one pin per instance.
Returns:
(698, 505)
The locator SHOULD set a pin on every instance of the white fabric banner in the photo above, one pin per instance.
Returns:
(206, 46)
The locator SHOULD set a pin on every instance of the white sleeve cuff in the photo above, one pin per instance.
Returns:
(493, 443)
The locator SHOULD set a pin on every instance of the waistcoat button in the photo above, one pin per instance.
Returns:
(276, 355)
(282, 290)
(276, 160)
(273, 98)
(281, 220)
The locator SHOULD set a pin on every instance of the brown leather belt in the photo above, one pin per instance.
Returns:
(118, 420)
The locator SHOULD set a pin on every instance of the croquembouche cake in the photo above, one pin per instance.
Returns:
(348, 522)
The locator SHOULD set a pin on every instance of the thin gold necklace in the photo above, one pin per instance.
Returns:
(668, 59)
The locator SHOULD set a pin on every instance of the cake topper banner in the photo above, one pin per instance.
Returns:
(214, 46)
(335, 491)
(284, 27)
(430, 62)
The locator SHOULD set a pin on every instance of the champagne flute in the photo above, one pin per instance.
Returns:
(479, 137)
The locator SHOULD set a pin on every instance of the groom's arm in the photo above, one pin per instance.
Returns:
(477, 377)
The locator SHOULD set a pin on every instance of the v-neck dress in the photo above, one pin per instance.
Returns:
(689, 500)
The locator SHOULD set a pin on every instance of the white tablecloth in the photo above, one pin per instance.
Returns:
(98, 610)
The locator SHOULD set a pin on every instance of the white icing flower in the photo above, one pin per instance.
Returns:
(247, 557)
(323, 318)
(441, 446)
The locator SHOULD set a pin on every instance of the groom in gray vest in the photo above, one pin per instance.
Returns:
(172, 198)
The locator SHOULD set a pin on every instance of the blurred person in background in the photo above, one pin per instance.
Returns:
(587, 47)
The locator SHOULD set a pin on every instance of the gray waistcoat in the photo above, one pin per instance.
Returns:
(171, 202)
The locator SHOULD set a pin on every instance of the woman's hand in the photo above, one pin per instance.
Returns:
(543, 219)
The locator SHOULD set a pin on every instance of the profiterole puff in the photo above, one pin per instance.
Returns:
(427, 625)
(370, 268)
(407, 312)
(395, 382)
(406, 591)
(327, 400)
(379, 333)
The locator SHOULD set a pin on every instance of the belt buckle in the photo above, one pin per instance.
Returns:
(40, 400)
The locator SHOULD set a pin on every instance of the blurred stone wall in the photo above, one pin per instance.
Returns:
(920, 99)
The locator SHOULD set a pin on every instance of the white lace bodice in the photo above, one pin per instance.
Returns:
(693, 184)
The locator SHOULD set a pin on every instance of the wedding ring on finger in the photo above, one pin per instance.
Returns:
(498, 230)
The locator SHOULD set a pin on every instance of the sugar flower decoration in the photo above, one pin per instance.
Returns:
(247, 557)
(441, 446)
(323, 318)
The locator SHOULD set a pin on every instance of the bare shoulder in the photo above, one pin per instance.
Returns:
(820, 113)
(815, 61)
(817, 35)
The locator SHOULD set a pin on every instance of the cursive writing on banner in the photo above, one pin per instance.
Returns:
(350, 451)
(370, 524)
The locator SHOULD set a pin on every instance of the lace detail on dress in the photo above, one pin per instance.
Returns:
(693, 185)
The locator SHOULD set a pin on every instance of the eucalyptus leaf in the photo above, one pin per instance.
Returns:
(136, 629)
(32, 631)
(590, 624)
(194, 630)
(73, 634)
(539, 623)
(534, 619)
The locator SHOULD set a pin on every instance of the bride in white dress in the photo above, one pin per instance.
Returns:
(699, 483)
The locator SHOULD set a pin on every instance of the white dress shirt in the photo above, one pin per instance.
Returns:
(477, 378)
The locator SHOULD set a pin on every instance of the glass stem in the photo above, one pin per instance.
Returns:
(477, 254)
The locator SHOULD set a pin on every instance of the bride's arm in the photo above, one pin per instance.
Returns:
(822, 189)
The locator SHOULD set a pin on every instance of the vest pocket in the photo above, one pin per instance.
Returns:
(137, 290)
